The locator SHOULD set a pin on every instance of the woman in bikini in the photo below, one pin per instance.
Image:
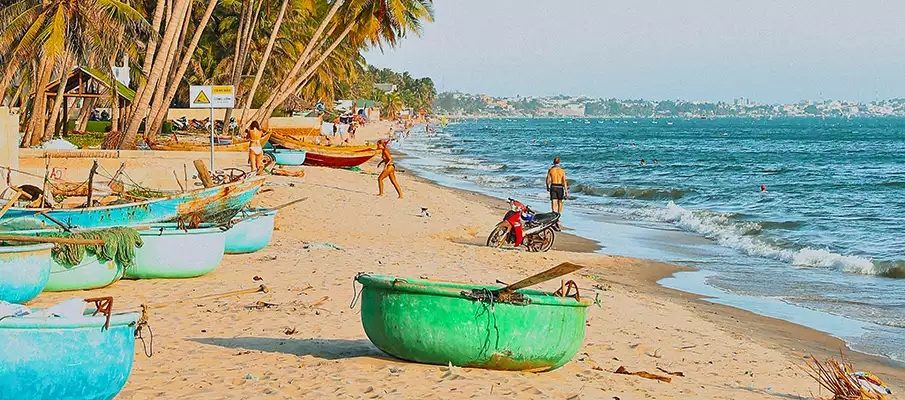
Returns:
(255, 151)
(389, 170)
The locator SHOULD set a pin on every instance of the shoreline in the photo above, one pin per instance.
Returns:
(773, 332)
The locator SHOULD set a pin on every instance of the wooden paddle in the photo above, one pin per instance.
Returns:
(42, 239)
(552, 273)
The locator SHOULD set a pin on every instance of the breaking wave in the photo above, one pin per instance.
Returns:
(721, 228)
(632, 193)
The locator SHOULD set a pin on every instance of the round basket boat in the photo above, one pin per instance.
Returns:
(289, 157)
(441, 322)
(252, 234)
(24, 270)
(65, 358)
(170, 252)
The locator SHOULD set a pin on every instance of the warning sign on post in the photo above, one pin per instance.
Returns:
(221, 96)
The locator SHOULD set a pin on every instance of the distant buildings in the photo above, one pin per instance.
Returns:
(386, 88)
(571, 106)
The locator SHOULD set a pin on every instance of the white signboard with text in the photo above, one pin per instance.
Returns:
(217, 96)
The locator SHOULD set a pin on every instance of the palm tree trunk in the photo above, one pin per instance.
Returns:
(159, 113)
(39, 108)
(262, 112)
(85, 114)
(143, 100)
(152, 125)
(263, 64)
(239, 65)
(152, 43)
(114, 98)
(65, 66)
(302, 80)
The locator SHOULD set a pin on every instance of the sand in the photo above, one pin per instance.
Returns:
(309, 344)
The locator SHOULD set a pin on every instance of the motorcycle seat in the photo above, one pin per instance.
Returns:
(546, 217)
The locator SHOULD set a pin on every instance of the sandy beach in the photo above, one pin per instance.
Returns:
(307, 343)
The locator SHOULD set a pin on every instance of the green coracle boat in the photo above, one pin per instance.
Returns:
(441, 322)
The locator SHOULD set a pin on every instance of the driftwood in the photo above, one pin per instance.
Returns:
(643, 374)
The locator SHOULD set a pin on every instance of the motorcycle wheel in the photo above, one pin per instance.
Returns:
(497, 237)
(545, 239)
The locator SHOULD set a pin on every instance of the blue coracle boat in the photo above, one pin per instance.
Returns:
(289, 157)
(170, 252)
(24, 270)
(252, 234)
(214, 204)
(65, 358)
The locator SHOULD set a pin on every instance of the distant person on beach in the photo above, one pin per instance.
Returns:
(389, 170)
(255, 151)
(557, 185)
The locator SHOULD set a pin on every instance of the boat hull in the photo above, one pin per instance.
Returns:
(65, 358)
(231, 147)
(327, 156)
(327, 160)
(91, 273)
(216, 204)
(289, 157)
(24, 271)
(434, 323)
(169, 252)
(250, 235)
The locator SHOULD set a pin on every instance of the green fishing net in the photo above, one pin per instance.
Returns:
(120, 246)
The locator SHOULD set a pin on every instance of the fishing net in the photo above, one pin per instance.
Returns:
(120, 246)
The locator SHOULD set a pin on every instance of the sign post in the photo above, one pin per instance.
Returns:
(211, 97)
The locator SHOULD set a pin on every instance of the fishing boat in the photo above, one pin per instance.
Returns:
(442, 322)
(79, 267)
(238, 146)
(24, 270)
(250, 234)
(326, 156)
(217, 204)
(170, 251)
(87, 357)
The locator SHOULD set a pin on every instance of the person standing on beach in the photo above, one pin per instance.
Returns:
(557, 186)
(389, 170)
(255, 151)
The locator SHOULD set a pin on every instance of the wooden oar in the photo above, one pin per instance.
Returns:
(265, 211)
(552, 273)
(42, 239)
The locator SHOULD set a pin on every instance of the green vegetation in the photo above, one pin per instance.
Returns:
(280, 55)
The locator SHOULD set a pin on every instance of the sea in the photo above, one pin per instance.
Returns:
(824, 246)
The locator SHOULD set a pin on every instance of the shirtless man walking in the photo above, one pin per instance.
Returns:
(389, 170)
(557, 186)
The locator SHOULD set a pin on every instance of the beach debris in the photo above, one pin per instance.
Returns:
(257, 278)
(319, 302)
(290, 331)
(251, 377)
(395, 370)
(279, 184)
(644, 374)
(311, 245)
(424, 212)
(677, 373)
(591, 361)
(286, 172)
(260, 305)
(655, 354)
(601, 287)
(841, 379)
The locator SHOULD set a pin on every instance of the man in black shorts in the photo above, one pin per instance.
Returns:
(557, 186)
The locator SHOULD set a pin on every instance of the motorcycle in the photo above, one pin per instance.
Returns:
(522, 226)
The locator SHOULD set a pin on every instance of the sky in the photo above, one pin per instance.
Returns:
(770, 51)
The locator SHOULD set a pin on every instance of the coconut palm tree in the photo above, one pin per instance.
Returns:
(59, 34)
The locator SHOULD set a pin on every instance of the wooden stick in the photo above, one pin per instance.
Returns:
(62, 224)
(42, 239)
(91, 183)
(265, 211)
(203, 173)
(552, 273)
(12, 200)
(178, 181)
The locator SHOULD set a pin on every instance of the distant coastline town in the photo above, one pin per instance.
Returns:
(464, 104)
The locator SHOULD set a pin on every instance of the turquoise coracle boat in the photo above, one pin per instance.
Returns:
(442, 322)
(170, 252)
(65, 358)
(216, 204)
(24, 270)
(252, 234)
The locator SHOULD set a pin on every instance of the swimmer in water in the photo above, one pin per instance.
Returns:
(655, 161)
(642, 162)
(763, 188)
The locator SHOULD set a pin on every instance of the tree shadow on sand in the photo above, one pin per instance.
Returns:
(328, 349)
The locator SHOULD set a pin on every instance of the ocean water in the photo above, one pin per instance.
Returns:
(827, 238)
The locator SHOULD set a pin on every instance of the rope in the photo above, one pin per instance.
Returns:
(356, 293)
